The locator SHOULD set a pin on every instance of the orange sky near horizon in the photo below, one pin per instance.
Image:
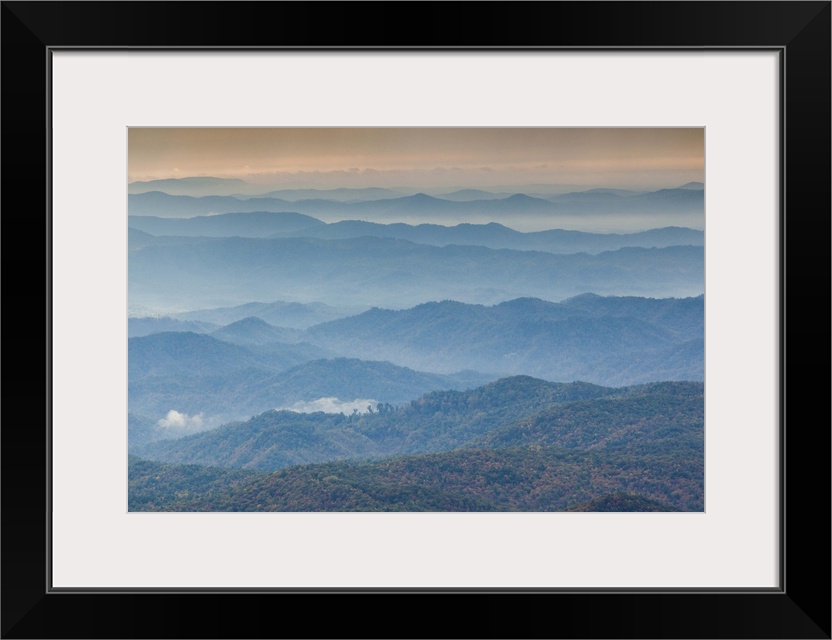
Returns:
(644, 158)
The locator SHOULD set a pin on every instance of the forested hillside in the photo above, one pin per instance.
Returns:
(567, 444)
(519, 479)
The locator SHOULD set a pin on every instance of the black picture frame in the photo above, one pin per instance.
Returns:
(799, 31)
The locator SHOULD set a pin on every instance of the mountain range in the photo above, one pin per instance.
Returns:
(506, 413)
(254, 224)
(314, 349)
(492, 235)
(385, 355)
(514, 444)
(685, 204)
(602, 340)
(212, 272)
(284, 376)
(294, 315)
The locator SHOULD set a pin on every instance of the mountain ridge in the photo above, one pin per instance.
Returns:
(367, 271)
(572, 420)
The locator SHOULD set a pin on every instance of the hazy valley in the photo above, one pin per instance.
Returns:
(415, 349)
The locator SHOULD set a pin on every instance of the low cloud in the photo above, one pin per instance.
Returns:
(333, 405)
(176, 421)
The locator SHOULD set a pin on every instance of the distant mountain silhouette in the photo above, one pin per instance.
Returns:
(671, 206)
(234, 393)
(197, 186)
(187, 353)
(255, 224)
(137, 239)
(602, 340)
(254, 331)
(338, 195)
(159, 204)
(464, 195)
(497, 236)
(370, 271)
(145, 326)
(282, 314)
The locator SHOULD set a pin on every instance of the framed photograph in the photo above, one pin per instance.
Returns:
(377, 339)
(496, 310)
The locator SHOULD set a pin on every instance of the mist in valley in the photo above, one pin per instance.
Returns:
(290, 318)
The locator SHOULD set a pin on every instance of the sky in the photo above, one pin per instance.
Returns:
(641, 159)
